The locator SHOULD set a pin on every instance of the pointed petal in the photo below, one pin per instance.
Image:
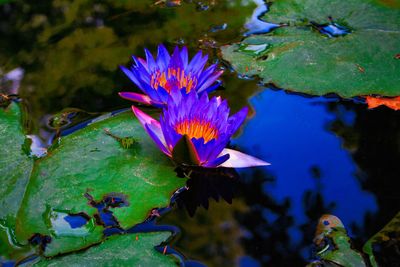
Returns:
(213, 87)
(184, 56)
(217, 162)
(158, 138)
(153, 128)
(140, 63)
(207, 83)
(236, 120)
(240, 160)
(195, 60)
(131, 75)
(144, 118)
(135, 97)
(176, 60)
(163, 57)
(151, 63)
(198, 68)
(206, 73)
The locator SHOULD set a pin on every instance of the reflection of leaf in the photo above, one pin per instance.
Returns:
(301, 59)
(71, 49)
(91, 161)
(125, 250)
(211, 236)
(15, 165)
(393, 103)
(386, 240)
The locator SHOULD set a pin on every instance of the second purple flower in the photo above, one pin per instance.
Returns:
(156, 77)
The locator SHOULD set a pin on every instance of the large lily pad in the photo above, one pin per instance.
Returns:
(91, 162)
(300, 58)
(125, 250)
(15, 164)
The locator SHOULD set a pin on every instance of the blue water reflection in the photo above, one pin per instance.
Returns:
(256, 25)
(290, 131)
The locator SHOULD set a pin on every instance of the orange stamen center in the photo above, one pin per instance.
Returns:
(173, 77)
(196, 128)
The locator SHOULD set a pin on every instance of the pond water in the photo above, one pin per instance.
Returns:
(328, 155)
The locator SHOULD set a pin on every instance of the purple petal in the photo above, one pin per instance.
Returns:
(131, 75)
(162, 94)
(158, 138)
(135, 97)
(140, 63)
(176, 60)
(195, 61)
(202, 149)
(217, 162)
(236, 120)
(153, 128)
(144, 118)
(151, 63)
(213, 87)
(240, 160)
(210, 80)
(206, 73)
(163, 57)
(200, 65)
(184, 56)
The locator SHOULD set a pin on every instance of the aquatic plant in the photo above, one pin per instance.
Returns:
(194, 130)
(156, 77)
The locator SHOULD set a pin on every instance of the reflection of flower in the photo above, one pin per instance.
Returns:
(156, 77)
(194, 130)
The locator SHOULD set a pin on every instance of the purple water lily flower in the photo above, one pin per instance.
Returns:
(156, 77)
(194, 130)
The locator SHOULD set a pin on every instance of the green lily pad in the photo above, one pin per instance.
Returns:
(90, 161)
(15, 164)
(125, 250)
(300, 58)
(10, 250)
(388, 239)
(334, 245)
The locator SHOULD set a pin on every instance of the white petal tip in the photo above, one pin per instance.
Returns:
(240, 160)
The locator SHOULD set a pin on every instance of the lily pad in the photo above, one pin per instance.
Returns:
(334, 246)
(125, 250)
(383, 247)
(10, 250)
(87, 167)
(301, 58)
(15, 164)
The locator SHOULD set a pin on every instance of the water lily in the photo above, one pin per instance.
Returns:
(194, 130)
(156, 77)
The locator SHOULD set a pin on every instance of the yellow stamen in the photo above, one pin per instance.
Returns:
(197, 129)
(173, 77)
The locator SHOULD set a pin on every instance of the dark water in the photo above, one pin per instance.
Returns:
(328, 155)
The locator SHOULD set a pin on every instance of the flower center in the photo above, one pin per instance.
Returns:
(173, 77)
(196, 128)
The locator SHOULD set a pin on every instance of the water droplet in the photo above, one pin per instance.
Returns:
(66, 224)
(253, 49)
